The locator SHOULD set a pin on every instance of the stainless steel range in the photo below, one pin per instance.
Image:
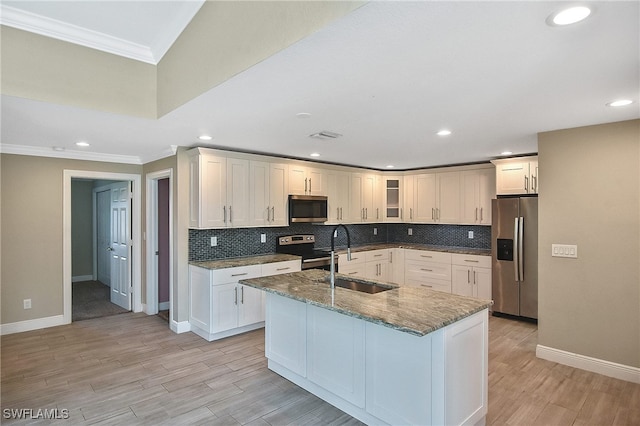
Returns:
(304, 246)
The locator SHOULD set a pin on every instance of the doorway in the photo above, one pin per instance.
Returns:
(160, 244)
(129, 256)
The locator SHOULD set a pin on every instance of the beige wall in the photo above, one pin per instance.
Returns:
(589, 196)
(227, 37)
(32, 231)
(81, 227)
(45, 69)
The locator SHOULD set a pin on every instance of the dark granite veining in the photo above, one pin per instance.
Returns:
(412, 310)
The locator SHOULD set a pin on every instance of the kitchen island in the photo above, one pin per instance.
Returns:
(402, 356)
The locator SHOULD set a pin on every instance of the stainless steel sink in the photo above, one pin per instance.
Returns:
(370, 288)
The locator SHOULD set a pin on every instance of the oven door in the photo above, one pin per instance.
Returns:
(319, 263)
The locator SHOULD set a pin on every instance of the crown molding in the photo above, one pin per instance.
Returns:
(53, 28)
(68, 154)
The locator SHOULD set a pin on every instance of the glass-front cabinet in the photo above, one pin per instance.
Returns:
(393, 199)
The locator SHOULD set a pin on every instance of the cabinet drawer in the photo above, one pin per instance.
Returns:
(439, 285)
(427, 270)
(471, 260)
(357, 270)
(278, 268)
(376, 255)
(231, 275)
(356, 258)
(432, 256)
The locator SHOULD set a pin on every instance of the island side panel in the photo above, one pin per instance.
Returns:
(466, 347)
(286, 333)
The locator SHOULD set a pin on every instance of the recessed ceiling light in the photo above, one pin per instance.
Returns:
(444, 132)
(303, 115)
(58, 148)
(205, 137)
(314, 154)
(506, 153)
(82, 144)
(620, 102)
(390, 166)
(569, 16)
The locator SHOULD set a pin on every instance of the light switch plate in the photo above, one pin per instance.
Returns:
(410, 231)
(214, 241)
(564, 250)
(375, 231)
(263, 238)
(470, 235)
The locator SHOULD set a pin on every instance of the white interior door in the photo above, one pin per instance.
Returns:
(103, 249)
(120, 246)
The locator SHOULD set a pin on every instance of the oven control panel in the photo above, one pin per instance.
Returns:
(296, 239)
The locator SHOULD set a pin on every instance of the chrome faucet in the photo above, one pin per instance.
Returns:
(332, 269)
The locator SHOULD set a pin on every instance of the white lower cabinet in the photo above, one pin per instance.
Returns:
(471, 275)
(377, 374)
(221, 307)
(428, 269)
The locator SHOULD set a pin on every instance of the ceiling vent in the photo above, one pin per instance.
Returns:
(325, 134)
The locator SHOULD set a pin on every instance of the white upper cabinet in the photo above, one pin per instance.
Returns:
(304, 180)
(268, 193)
(337, 186)
(437, 198)
(219, 190)
(478, 188)
(364, 204)
(392, 188)
(516, 176)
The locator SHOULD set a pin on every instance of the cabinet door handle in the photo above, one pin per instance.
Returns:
(242, 295)
(268, 211)
(526, 183)
(230, 215)
(362, 214)
(425, 269)
(341, 213)
(273, 213)
(391, 257)
(239, 275)
(534, 183)
(426, 255)
(481, 219)
(476, 214)
(366, 213)
(472, 261)
(377, 213)
(433, 217)
(224, 213)
(411, 213)
(309, 185)
(474, 278)
(352, 273)
(235, 291)
(468, 276)
(377, 255)
(305, 185)
(401, 215)
(425, 285)
(283, 269)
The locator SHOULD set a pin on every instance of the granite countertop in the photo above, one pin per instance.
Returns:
(234, 262)
(413, 310)
(429, 247)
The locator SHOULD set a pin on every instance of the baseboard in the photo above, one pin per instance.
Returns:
(595, 365)
(179, 327)
(33, 324)
(163, 306)
(80, 278)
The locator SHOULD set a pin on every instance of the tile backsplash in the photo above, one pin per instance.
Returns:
(246, 241)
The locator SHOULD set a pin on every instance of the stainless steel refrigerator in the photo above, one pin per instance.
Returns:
(514, 252)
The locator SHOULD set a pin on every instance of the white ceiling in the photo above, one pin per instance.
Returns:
(387, 77)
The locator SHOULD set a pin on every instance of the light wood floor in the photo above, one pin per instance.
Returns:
(131, 369)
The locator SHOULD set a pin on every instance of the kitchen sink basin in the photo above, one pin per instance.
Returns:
(361, 286)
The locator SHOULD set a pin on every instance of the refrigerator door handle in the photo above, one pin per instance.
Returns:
(521, 248)
(516, 251)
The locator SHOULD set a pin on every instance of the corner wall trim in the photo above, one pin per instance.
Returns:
(33, 324)
(180, 327)
(595, 365)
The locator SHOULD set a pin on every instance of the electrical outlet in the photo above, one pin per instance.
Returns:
(263, 238)
(410, 231)
(26, 303)
(471, 235)
(335, 233)
(214, 241)
(375, 231)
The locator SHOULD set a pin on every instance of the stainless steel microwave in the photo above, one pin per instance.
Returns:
(307, 208)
